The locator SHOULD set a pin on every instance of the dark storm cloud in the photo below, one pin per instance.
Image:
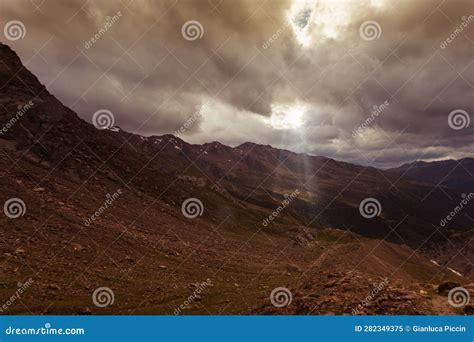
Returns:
(251, 58)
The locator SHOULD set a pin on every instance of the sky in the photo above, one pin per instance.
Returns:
(372, 82)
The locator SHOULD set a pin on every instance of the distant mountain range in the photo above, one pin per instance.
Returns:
(268, 217)
(456, 174)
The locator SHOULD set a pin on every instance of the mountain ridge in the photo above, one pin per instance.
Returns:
(450, 173)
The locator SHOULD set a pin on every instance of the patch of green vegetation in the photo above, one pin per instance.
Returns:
(327, 237)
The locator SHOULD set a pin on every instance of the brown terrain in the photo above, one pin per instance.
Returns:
(151, 256)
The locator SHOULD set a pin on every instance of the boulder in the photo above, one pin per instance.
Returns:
(443, 288)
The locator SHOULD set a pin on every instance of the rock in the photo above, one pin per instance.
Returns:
(303, 241)
(85, 311)
(330, 284)
(294, 268)
(39, 189)
(129, 259)
(469, 309)
(408, 296)
(310, 236)
(197, 298)
(77, 247)
(163, 267)
(335, 275)
(236, 285)
(20, 251)
(54, 287)
(443, 288)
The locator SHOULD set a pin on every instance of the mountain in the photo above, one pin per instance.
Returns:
(103, 208)
(456, 174)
